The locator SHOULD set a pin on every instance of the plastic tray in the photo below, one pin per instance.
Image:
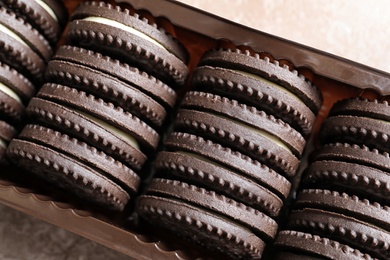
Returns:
(199, 31)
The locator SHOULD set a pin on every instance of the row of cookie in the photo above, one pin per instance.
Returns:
(236, 145)
(29, 31)
(98, 117)
(342, 208)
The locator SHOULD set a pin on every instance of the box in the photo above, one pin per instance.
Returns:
(198, 31)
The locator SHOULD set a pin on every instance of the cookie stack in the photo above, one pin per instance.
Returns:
(29, 31)
(98, 117)
(342, 208)
(237, 142)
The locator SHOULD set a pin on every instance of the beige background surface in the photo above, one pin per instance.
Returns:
(355, 29)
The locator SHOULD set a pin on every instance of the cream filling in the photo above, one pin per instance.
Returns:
(129, 138)
(254, 76)
(5, 30)
(3, 144)
(10, 92)
(258, 131)
(124, 28)
(48, 9)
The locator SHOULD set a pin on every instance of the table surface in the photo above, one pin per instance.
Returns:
(354, 29)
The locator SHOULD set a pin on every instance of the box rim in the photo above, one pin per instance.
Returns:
(320, 62)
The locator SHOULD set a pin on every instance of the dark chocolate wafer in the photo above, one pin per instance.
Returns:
(116, 31)
(15, 91)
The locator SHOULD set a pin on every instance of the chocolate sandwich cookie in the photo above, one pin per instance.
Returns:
(15, 92)
(112, 118)
(340, 202)
(359, 121)
(241, 128)
(7, 132)
(49, 17)
(203, 173)
(260, 83)
(214, 204)
(348, 176)
(72, 147)
(228, 158)
(306, 246)
(262, 225)
(68, 173)
(209, 230)
(116, 32)
(346, 229)
(359, 154)
(22, 47)
(122, 122)
(15, 84)
(11, 108)
(118, 83)
(91, 131)
(262, 123)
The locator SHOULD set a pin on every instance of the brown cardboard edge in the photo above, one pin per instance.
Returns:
(82, 223)
(322, 63)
